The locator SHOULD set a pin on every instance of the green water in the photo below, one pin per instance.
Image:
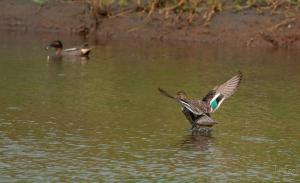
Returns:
(104, 120)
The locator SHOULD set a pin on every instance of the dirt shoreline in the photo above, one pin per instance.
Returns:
(247, 28)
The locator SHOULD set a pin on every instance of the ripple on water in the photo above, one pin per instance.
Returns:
(106, 122)
(14, 108)
(258, 140)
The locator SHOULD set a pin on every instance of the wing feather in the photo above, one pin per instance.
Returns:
(205, 120)
(70, 49)
(229, 87)
(215, 97)
(184, 103)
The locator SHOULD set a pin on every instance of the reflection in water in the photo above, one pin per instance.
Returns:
(198, 142)
(72, 59)
(105, 121)
(202, 131)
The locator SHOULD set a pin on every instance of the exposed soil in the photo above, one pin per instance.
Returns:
(246, 28)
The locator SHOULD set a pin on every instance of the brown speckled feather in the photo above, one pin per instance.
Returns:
(198, 112)
(229, 87)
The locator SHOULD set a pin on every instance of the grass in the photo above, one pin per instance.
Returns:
(206, 9)
(40, 2)
(191, 8)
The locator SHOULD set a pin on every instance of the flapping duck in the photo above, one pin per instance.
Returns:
(198, 111)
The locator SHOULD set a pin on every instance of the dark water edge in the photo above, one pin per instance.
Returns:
(103, 120)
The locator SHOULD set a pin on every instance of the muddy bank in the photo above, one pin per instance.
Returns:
(245, 28)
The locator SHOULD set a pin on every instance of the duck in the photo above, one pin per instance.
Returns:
(198, 112)
(82, 51)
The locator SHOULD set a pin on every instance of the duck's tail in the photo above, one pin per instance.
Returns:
(85, 51)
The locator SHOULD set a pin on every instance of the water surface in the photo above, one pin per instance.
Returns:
(104, 120)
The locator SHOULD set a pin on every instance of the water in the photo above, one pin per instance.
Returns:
(104, 120)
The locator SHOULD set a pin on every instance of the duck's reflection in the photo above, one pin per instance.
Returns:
(54, 59)
(59, 59)
(198, 142)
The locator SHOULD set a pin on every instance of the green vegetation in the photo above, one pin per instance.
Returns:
(205, 8)
(40, 2)
(189, 8)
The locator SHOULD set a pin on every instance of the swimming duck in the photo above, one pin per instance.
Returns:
(82, 51)
(197, 112)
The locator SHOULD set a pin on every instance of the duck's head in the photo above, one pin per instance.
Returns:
(181, 95)
(57, 44)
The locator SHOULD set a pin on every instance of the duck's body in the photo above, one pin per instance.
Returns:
(197, 112)
(82, 51)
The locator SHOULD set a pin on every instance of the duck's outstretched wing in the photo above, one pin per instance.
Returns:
(184, 103)
(216, 96)
(229, 87)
